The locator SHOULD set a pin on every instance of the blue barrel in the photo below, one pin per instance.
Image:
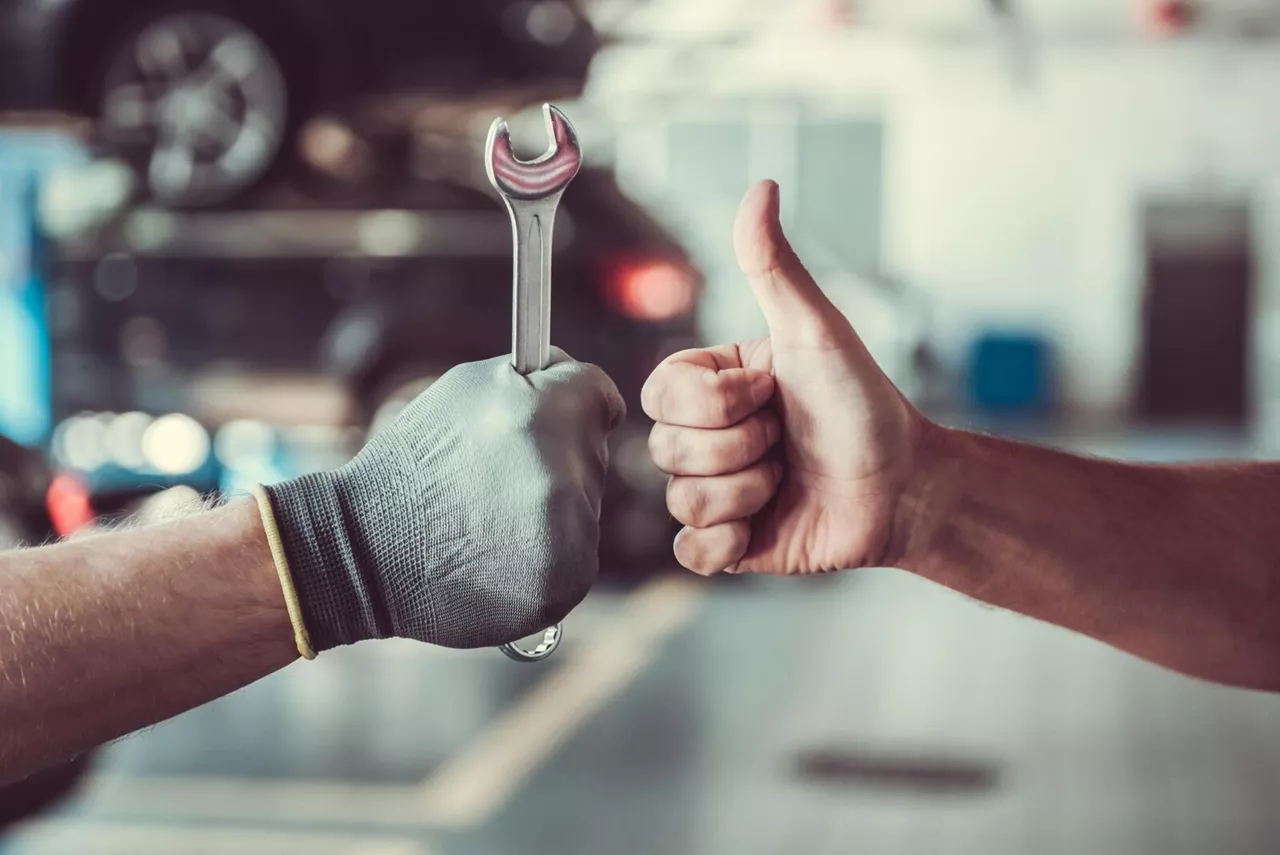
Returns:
(1011, 374)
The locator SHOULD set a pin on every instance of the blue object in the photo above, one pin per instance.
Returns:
(1010, 374)
(25, 403)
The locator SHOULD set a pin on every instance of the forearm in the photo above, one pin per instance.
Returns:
(1177, 564)
(102, 636)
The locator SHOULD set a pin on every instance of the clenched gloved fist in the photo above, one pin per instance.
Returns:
(472, 520)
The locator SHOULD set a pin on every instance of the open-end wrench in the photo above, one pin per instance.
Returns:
(531, 191)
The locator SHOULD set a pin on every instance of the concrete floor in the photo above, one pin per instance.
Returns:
(870, 712)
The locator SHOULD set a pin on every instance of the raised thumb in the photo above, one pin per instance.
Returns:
(797, 311)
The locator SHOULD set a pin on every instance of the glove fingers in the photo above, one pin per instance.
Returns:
(587, 386)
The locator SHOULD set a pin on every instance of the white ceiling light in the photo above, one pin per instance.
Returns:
(175, 444)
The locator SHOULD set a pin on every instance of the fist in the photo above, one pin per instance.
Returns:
(504, 475)
(788, 454)
(471, 520)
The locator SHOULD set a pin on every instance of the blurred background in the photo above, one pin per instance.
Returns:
(237, 236)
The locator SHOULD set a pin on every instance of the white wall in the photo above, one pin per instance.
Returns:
(1023, 207)
(1020, 204)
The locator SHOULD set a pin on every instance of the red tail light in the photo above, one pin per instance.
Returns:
(651, 289)
(1170, 17)
(68, 502)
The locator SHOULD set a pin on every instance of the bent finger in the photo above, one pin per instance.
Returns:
(689, 394)
(704, 502)
(698, 451)
(708, 551)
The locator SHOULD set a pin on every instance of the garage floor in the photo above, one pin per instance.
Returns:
(870, 712)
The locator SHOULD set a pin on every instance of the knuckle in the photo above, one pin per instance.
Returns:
(660, 395)
(665, 447)
(657, 446)
(727, 453)
(687, 501)
(649, 396)
(723, 403)
(690, 553)
(739, 447)
(713, 550)
(695, 553)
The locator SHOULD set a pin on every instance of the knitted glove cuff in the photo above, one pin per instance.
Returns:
(340, 604)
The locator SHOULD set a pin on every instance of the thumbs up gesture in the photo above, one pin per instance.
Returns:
(790, 454)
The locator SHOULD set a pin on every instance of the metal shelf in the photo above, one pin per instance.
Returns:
(384, 233)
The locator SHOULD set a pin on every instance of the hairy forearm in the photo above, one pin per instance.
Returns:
(102, 636)
(1177, 564)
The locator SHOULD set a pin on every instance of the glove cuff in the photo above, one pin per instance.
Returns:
(340, 603)
(300, 637)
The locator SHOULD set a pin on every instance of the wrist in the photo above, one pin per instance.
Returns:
(246, 586)
(927, 497)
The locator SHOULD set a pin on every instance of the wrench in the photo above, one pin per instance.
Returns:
(531, 191)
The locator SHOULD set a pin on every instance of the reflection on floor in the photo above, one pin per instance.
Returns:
(868, 712)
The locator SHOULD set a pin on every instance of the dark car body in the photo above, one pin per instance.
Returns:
(24, 478)
(51, 51)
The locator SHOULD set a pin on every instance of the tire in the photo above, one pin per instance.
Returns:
(198, 102)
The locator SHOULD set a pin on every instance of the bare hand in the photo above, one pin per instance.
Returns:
(789, 454)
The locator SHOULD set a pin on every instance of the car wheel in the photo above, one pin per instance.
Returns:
(198, 103)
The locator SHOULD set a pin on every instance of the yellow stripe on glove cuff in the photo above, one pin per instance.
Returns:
(300, 636)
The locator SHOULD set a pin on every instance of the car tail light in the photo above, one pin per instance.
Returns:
(68, 502)
(651, 289)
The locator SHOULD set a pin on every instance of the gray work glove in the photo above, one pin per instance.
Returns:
(472, 520)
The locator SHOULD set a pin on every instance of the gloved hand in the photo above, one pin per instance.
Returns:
(472, 520)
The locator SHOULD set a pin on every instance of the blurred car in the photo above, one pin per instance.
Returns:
(216, 348)
(204, 97)
(24, 480)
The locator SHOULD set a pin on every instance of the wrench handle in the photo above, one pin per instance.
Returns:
(531, 229)
(532, 224)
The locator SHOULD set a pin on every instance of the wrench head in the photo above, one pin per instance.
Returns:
(542, 177)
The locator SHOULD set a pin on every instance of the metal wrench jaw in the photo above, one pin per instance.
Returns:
(547, 645)
(541, 178)
(531, 191)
